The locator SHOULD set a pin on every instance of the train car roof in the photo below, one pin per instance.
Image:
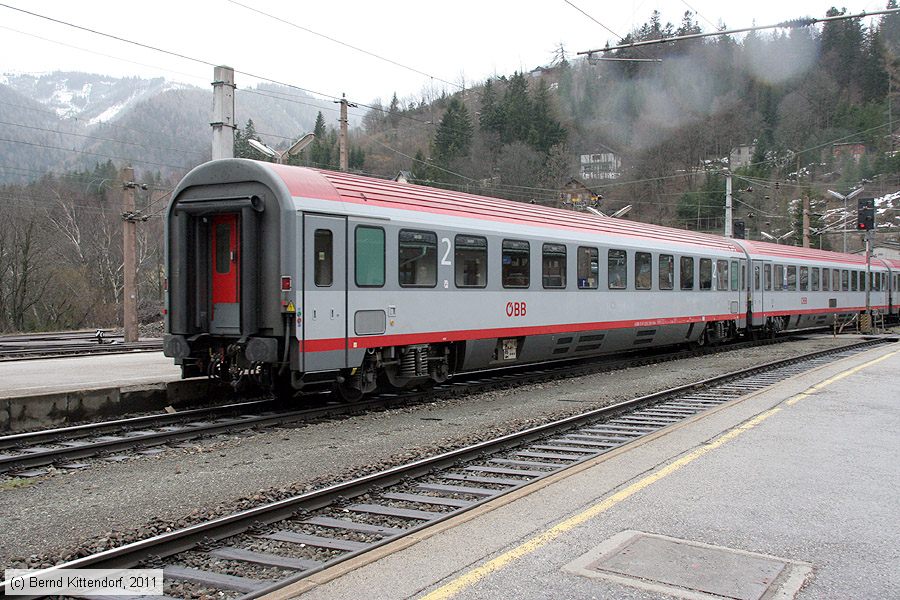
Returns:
(303, 182)
(784, 252)
(357, 189)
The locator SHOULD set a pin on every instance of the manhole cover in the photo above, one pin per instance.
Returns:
(691, 569)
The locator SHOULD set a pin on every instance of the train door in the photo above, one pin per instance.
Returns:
(324, 292)
(761, 273)
(225, 275)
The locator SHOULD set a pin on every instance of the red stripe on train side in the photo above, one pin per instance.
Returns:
(475, 334)
(375, 341)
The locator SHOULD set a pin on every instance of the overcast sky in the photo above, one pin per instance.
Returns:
(451, 40)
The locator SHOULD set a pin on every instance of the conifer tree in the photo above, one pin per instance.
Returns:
(517, 110)
(546, 131)
(491, 118)
(453, 138)
(394, 111)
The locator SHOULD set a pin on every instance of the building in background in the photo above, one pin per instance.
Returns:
(600, 165)
(576, 194)
(741, 156)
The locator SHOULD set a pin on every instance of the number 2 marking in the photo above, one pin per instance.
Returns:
(446, 259)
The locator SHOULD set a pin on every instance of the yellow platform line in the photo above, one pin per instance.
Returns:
(478, 573)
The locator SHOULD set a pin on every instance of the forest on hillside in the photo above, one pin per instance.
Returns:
(672, 120)
(791, 94)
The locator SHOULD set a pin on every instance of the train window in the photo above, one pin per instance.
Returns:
(814, 279)
(554, 266)
(836, 280)
(768, 269)
(470, 255)
(706, 274)
(588, 268)
(643, 270)
(323, 263)
(883, 282)
(417, 259)
(223, 248)
(854, 281)
(687, 273)
(722, 275)
(618, 269)
(756, 277)
(779, 278)
(845, 280)
(743, 275)
(826, 280)
(804, 279)
(515, 271)
(791, 278)
(369, 256)
(666, 272)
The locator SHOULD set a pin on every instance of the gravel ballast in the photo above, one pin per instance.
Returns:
(72, 514)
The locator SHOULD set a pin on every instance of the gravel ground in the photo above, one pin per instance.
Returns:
(72, 514)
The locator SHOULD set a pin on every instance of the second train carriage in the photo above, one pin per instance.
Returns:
(304, 278)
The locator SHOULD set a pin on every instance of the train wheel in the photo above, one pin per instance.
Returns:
(702, 341)
(348, 392)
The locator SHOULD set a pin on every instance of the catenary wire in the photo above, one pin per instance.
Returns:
(345, 44)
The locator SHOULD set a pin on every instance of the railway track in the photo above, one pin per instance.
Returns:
(26, 454)
(70, 343)
(258, 551)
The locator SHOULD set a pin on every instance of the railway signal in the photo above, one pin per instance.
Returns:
(865, 214)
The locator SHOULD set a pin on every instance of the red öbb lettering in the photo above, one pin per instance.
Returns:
(516, 309)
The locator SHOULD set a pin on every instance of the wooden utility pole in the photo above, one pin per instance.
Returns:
(806, 221)
(223, 113)
(129, 252)
(342, 140)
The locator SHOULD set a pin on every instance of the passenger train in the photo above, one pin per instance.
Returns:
(307, 278)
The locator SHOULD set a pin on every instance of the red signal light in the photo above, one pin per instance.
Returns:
(285, 283)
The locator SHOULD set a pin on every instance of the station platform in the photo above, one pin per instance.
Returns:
(34, 377)
(788, 492)
(53, 391)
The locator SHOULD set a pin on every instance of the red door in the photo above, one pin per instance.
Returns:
(225, 278)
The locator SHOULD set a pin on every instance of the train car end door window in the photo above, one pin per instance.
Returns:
(323, 268)
(369, 256)
(814, 279)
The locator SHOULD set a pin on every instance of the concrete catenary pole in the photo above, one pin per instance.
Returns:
(342, 139)
(129, 252)
(728, 207)
(223, 113)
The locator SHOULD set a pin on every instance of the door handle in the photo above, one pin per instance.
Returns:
(314, 313)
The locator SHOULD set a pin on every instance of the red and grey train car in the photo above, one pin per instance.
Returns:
(307, 278)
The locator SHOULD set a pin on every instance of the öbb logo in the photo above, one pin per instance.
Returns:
(515, 309)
